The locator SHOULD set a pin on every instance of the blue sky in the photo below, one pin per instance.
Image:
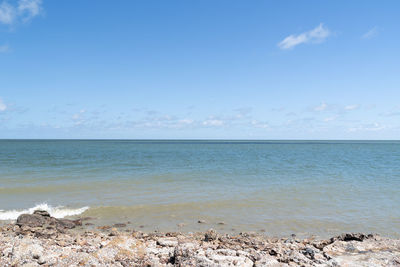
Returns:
(200, 69)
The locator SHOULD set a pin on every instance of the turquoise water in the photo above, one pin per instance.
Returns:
(282, 187)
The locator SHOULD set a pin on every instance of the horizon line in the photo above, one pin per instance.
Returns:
(184, 139)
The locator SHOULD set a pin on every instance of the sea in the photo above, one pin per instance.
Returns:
(274, 187)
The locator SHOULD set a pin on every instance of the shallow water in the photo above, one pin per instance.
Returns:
(282, 187)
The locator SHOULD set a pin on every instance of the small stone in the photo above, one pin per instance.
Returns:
(167, 242)
(221, 223)
(201, 221)
(114, 232)
(210, 235)
(105, 227)
(119, 225)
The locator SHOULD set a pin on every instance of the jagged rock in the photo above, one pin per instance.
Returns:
(42, 213)
(42, 220)
(49, 247)
(31, 220)
(210, 235)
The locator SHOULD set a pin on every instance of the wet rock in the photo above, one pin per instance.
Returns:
(201, 221)
(119, 225)
(31, 220)
(352, 237)
(65, 224)
(42, 213)
(105, 227)
(41, 220)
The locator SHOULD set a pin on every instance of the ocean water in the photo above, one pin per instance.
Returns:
(278, 187)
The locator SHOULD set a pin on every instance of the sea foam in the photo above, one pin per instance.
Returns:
(57, 212)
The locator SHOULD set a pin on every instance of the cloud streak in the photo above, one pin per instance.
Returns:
(4, 48)
(316, 35)
(23, 11)
(321, 107)
(371, 33)
(3, 106)
(351, 107)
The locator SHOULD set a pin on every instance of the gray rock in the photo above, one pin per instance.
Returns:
(42, 213)
(43, 221)
(31, 220)
(210, 235)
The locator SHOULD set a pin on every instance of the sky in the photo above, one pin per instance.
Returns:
(178, 69)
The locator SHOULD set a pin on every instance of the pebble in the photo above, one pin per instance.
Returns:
(96, 248)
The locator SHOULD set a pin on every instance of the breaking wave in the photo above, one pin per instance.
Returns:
(57, 212)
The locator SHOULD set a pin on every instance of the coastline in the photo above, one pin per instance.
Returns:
(39, 239)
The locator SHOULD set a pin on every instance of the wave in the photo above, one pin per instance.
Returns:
(57, 212)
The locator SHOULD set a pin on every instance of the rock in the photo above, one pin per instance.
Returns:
(41, 221)
(31, 220)
(210, 235)
(201, 221)
(352, 237)
(114, 232)
(105, 227)
(91, 248)
(222, 223)
(167, 242)
(180, 225)
(119, 225)
(65, 224)
(42, 213)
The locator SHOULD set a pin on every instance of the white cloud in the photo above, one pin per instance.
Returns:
(185, 121)
(259, 124)
(24, 11)
(213, 122)
(4, 48)
(316, 35)
(7, 13)
(368, 127)
(351, 107)
(330, 119)
(371, 33)
(3, 106)
(321, 107)
(31, 8)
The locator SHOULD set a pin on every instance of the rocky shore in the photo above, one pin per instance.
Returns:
(41, 240)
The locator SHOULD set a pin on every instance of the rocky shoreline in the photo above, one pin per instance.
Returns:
(41, 240)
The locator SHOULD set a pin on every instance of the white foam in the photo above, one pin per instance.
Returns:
(57, 212)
